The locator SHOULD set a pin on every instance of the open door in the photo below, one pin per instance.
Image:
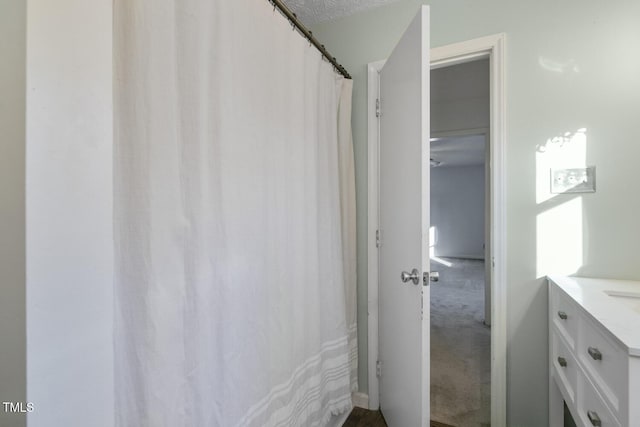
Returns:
(404, 229)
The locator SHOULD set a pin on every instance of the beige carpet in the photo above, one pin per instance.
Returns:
(460, 345)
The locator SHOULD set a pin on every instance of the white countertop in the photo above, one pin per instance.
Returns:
(620, 316)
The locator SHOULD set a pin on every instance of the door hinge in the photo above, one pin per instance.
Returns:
(379, 369)
(378, 113)
(378, 240)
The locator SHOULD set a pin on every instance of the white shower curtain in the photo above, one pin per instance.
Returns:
(234, 220)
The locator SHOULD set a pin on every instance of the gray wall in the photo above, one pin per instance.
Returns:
(12, 210)
(571, 65)
(457, 211)
(460, 97)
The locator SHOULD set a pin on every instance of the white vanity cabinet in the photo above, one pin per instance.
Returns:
(594, 351)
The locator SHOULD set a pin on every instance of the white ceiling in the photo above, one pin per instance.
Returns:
(458, 150)
(314, 11)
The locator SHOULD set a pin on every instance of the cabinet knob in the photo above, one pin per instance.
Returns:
(562, 362)
(594, 418)
(594, 353)
(562, 315)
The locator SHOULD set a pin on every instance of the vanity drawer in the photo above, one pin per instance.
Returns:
(604, 361)
(564, 365)
(592, 410)
(565, 315)
(603, 340)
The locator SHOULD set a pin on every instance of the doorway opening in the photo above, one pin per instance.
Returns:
(460, 231)
(492, 49)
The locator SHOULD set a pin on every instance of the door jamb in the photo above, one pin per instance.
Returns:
(492, 47)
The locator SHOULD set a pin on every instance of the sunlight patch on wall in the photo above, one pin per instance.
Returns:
(561, 67)
(433, 237)
(559, 239)
(565, 151)
(560, 224)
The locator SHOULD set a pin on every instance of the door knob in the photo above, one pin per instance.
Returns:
(434, 276)
(414, 276)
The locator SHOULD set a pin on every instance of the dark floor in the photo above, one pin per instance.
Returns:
(364, 418)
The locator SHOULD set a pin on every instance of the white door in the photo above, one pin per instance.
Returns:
(404, 229)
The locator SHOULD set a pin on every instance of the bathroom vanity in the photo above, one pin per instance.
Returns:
(594, 351)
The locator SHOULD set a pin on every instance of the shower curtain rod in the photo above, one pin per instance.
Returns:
(293, 18)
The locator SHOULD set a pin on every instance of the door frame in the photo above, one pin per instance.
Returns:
(492, 47)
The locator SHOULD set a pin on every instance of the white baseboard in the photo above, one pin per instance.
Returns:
(462, 256)
(360, 400)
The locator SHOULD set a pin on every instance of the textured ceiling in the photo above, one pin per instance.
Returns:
(313, 11)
